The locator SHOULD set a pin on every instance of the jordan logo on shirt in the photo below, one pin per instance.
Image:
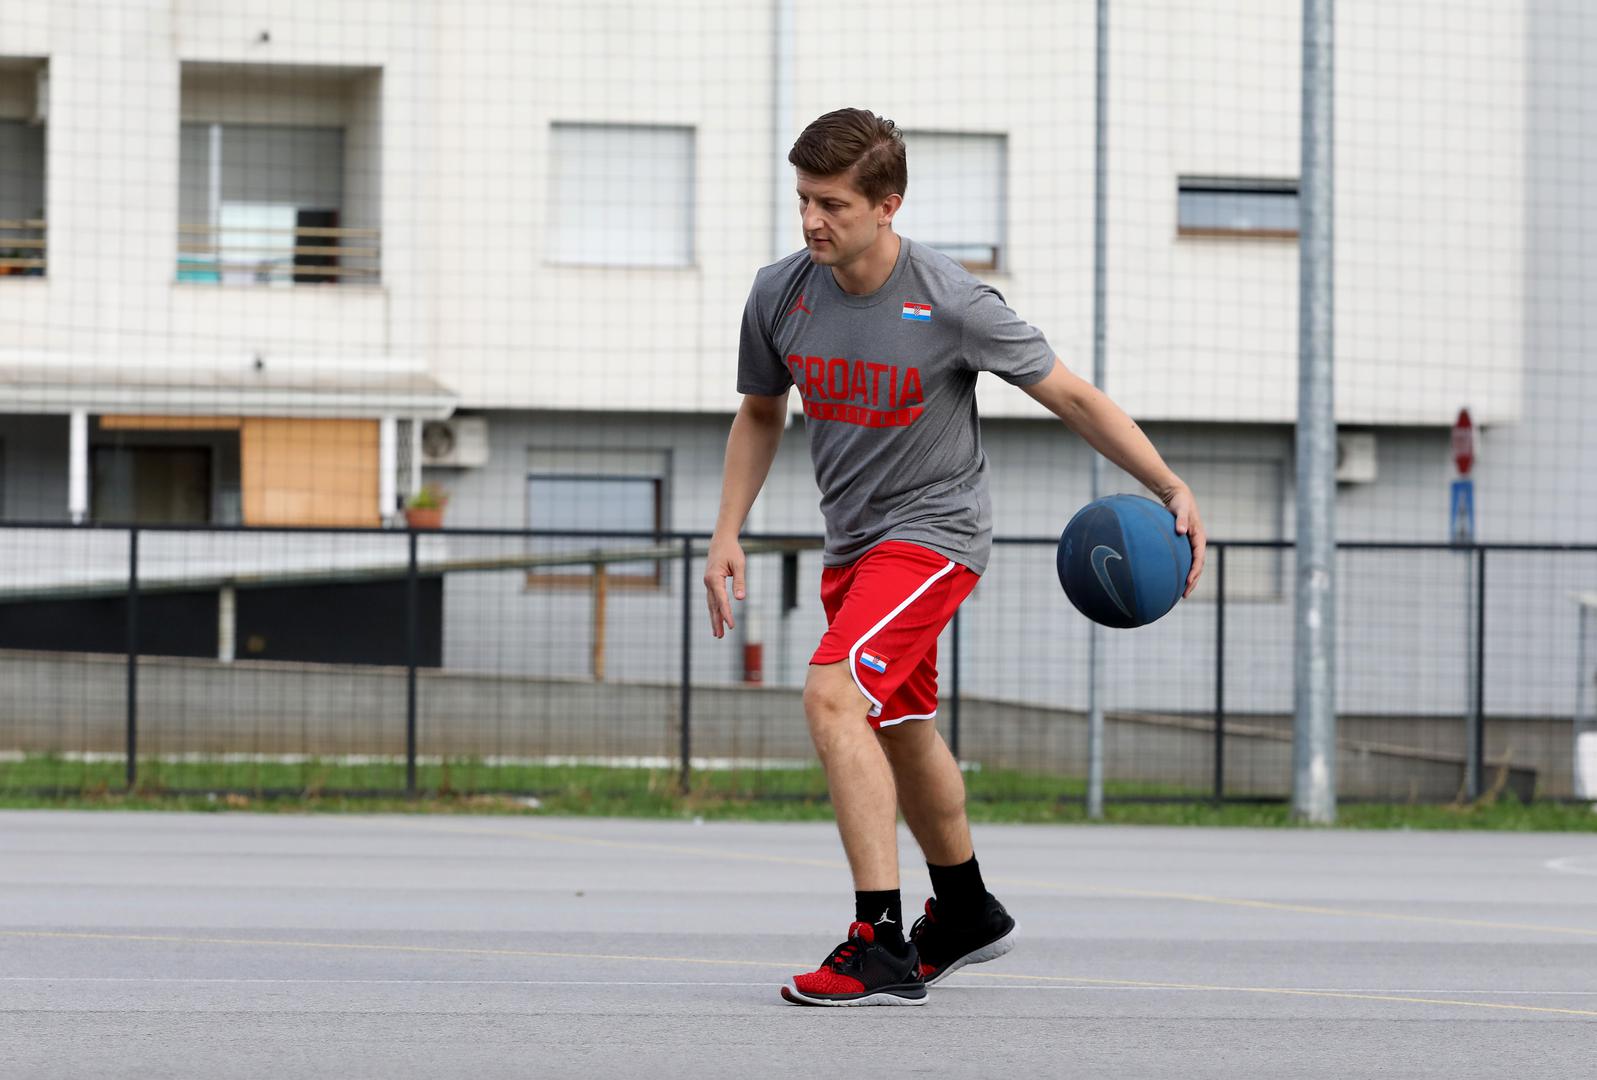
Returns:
(798, 306)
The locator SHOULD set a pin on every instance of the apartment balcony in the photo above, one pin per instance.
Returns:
(279, 176)
(22, 247)
(268, 245)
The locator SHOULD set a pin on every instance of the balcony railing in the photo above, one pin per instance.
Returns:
(22, 247)
(302, 255)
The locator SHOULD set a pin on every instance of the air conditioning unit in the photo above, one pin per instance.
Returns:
(458, 443)
(1355, 457)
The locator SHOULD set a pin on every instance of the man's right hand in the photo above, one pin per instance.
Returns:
(725, 561)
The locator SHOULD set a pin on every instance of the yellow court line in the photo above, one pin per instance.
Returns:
(630, 845)
(631, 958)
(1289, 991)
(1302, 909)
(448, 950)
(1052, 886)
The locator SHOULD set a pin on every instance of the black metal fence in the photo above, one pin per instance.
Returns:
(533, 662)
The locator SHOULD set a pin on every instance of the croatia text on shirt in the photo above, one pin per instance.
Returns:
(862, 392)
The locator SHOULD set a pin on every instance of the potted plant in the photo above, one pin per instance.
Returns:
(425, 509)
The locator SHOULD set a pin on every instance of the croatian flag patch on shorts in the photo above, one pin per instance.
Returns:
(918, 312)
(875, 663)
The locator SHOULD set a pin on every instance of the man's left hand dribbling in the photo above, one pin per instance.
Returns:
(1180, 502)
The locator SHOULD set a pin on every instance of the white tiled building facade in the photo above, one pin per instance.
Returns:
(559, 207)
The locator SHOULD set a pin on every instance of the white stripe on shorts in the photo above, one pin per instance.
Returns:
(853, 654)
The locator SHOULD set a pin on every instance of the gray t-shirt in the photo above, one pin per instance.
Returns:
(889, 388)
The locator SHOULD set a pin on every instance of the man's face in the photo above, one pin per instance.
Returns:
(840, 224)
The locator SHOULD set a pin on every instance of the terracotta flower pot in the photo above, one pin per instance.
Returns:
(424, 517)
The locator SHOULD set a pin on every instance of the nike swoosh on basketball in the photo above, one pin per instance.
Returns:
(1100, 566)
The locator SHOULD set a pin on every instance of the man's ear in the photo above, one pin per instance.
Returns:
(889, 207)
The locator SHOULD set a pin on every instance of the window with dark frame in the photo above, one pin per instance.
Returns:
(1237, 206)
(610, 503)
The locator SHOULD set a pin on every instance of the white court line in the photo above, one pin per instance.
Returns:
(766, 982)
(1569, 864)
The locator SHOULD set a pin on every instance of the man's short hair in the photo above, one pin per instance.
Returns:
(855, 139)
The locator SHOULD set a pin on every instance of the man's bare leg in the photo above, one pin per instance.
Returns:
(970, 926)
(857, 774)
(931, 790)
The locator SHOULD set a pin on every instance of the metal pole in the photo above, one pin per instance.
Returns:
(411, 649)
(1580, 665)
(685, 701)
(78, 467)
(1219, 671)
(387, 468)
(953, 703)
(1314, 727)
(1099, 336)
(1477, 778)
(1471, 766)
(1581, 672)
(783, 48)
(133, 658)
(1467, 625)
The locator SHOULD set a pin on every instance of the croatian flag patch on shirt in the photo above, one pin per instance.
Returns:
(875, 663)
(918, 312)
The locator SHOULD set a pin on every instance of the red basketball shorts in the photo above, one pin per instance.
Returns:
(883, 614)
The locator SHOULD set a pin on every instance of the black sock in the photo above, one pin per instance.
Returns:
(959, 890)
(884, 912)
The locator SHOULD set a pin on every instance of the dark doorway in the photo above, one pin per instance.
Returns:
(151, 485)
(170, 624)
(341, 624)
(315, 219)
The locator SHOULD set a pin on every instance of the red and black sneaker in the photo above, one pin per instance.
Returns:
(945, 948)
(860, 972)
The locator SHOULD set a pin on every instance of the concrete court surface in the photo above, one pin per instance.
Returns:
(245, 945)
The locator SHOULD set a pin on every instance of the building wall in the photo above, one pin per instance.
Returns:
(1403, 616)
(1463, 254)
(1430, 125)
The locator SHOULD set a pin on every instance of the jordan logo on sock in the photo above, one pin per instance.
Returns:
(885, 919)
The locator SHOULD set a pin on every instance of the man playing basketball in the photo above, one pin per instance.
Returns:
(884, 339)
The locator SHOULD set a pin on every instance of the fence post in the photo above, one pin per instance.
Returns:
(953, 704)
(599, 589)
(411, 605)
(133, 658)
(685, 701)
(1219, 673)
(1477, 786)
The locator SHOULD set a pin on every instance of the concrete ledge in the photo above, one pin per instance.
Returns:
(76, 702)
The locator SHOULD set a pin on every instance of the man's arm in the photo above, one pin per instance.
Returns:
(1088, 412)
(750, 449)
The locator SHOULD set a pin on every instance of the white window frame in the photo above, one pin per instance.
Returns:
(579, 234)
(962, 248)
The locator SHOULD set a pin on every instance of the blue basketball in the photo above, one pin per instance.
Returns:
(1121, 561)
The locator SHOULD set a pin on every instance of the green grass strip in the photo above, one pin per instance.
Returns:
(473, 786)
